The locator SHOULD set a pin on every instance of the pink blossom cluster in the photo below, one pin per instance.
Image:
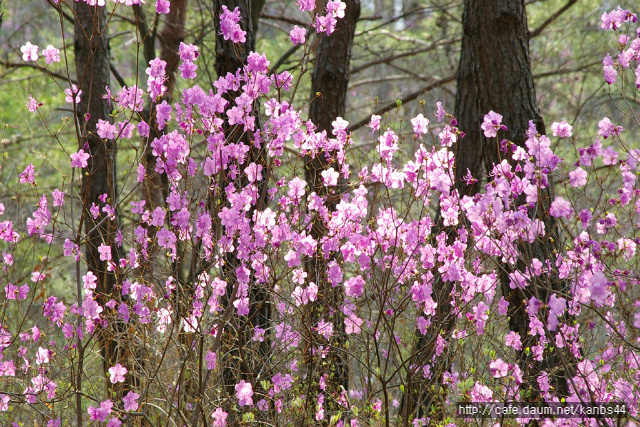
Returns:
(389, 261)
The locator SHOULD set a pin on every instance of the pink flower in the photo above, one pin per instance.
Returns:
(101, 413)
(91, 309)
(354, 287)
(29, 52)
(491, 124)
(105, 252)
(242, 305)
(578, 177)
(219, 418)
(4, 402)
(42, 356)
(162, 7)
(131, 401)
(166, 239)
(244, 393)
(105, 129)
(229, 26)
(512, 339)
(32, 105)
(79, 159)
(188, 70)
(607, 128)
(306, 5)
(51, 54)
(499, 368)
(560, 207)
(598, 288)
(325, 24)
(90, 281)
(298, 35)
(58, 198)
(73, 91)
(210, 358)
(440, 113)
(325, 329)
(352, 324)
(374, 123)
(117, 373)
(299, 275)
(28, 175)
(254, 172)
(188, 52)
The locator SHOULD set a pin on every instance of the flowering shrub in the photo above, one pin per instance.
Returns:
(387, 251)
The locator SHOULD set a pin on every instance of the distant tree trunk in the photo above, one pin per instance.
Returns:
(92, 68)
(498, 38)
(244, 359)
(330, 80)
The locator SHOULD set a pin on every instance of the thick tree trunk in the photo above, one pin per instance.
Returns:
(468, 150)
(497, 36)
(420, 394)
(92, 68)
(244, 359)
(330, 80)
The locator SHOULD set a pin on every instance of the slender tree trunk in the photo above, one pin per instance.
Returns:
(498, 38)
(92, 68)
(330, 81)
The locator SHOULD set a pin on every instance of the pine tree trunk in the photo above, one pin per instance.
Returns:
(497, 36)
(330, 80)
(92, 68)
(244, 359)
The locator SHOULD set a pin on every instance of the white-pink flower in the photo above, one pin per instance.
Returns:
(561, 129)
(420, 124)
(29, 52)
(117, 373)
(330, 177)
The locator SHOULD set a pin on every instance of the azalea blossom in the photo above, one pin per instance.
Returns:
(117, 373)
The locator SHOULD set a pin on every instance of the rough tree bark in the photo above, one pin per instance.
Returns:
(468, 150)
(498, 40)
(243, 358)
(92, 68)
(422, 394)
(330, 80)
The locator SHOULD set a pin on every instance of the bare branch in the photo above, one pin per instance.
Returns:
(286, 19)
(406, 54)
(410, 97)
(37, 67)
(553, 17)
(117, 75)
